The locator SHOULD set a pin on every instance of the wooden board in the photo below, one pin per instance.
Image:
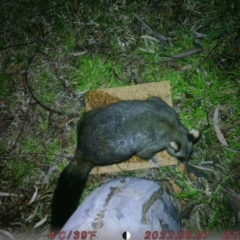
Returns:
(103, 97)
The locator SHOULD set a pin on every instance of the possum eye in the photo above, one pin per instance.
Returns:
(175, 146)
(194, 135)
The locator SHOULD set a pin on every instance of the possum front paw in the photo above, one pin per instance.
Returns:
(155, 162)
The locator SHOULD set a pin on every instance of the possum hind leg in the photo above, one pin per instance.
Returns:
(149, 155)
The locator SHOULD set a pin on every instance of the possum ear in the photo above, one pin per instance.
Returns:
(175, 146)
(194, 135)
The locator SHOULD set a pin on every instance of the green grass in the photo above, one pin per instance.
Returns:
(94, 72)
(21, 172)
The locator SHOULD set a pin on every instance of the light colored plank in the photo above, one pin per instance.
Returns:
(103, 97)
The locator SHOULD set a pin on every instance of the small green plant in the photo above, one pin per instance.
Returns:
(21, 171)
(94, 72)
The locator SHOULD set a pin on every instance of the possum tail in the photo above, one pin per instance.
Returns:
(70, 186)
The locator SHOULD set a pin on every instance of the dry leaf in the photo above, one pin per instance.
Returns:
(181, 68)
(34, 196)
(233, 197)
(185, 214)
(175, 187)
(42, 221)
(216, 181)
(4, 194)
(217, 127)
(197, 171)
(182, 168)
(8, 234)
(77, 54)
(192, 177)
(149, 37)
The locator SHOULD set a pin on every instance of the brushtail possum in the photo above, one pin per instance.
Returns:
(112, 135)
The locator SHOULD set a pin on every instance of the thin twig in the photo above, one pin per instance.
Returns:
(157, 35)
(29, 88)
(181, 55)
(18, 45)
(62, 82)
(25, 120)
(204, 60)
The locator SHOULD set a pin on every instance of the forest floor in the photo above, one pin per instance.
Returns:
(52, 54)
